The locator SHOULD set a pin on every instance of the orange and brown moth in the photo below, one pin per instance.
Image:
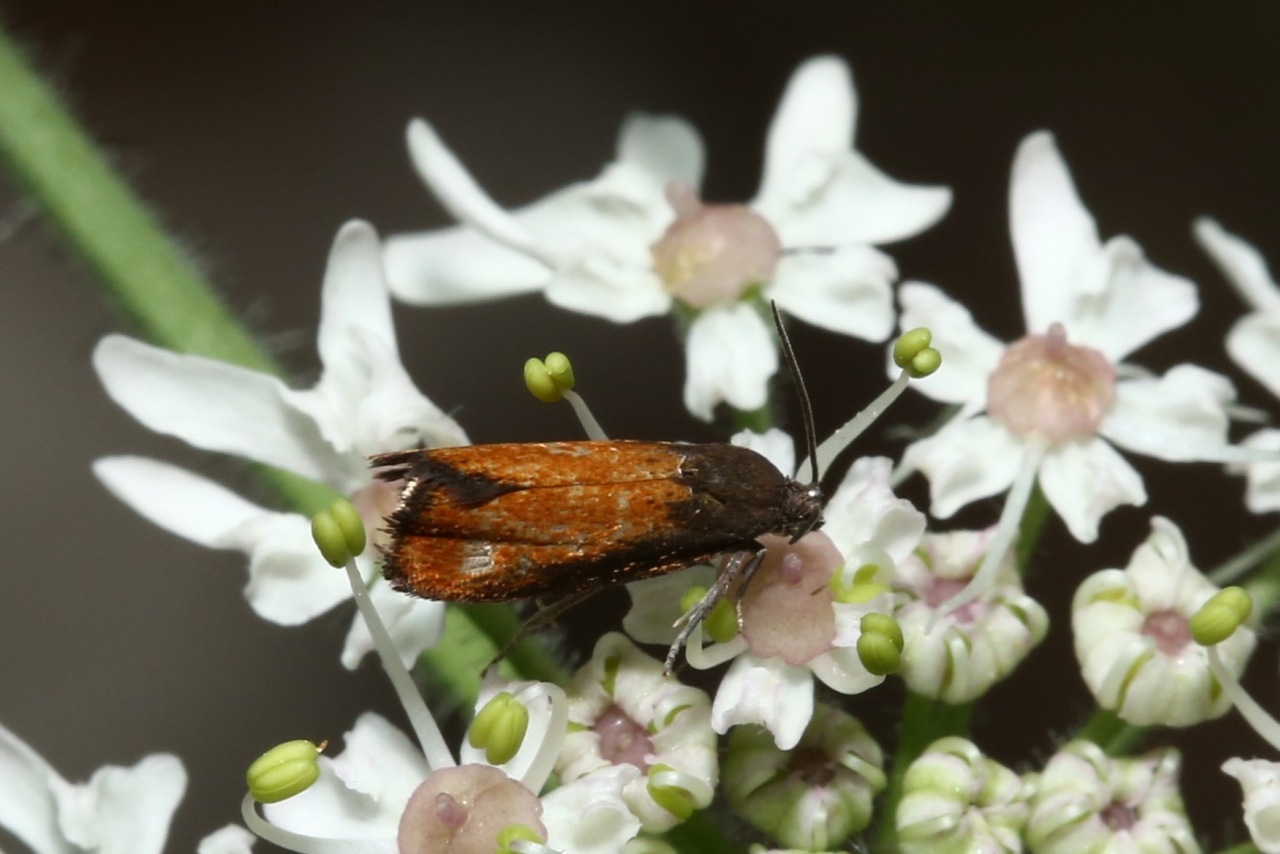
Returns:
(562, 520)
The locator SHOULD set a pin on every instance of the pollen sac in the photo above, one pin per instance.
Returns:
(711, 254)
(1049, 388)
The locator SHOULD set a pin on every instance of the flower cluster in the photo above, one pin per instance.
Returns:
(787, 615)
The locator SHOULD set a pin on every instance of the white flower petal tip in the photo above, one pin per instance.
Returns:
(1260, 782)
(730, 356)
(1073, 806)
(1134, 644)
(589, 815)
(626, 712)
(1240, 262)
(813, 798)
(667, 147)
(232, 839)
(461, 196)
(119, 809)
(956, 799)
(769, 692)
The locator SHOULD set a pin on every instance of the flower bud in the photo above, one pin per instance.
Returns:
(540, 382)
(283, 771)
(560, 370)
(338, 532)
(814, 797)
(880, 644)
(499, 728)
(955, 799)
(909, 345)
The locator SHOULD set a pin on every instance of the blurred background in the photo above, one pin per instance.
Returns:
(256, 129)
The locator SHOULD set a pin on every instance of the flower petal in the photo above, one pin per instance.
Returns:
(1263, 492)
(601, 286)
(213, 405)
(1240, 262)
(863, 511)
(123, 810)
(588, 816)
(969, 355)
(765, 691)
(380, 760)
(231, 839)
(1109, 298)
(845, 290)
(1180, 417)
(731, 357)
(1254, 344)
(655, 603)
(1260, 781)
(289, 582)
(414, 624)
(354, 295)
(667, 147)
(27, 806)
(329, 808)
(965, 461)
(457, 265)
(818, 191)
(461, 196)
(1084, 481)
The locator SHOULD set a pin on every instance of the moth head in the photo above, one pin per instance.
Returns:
(802, 510)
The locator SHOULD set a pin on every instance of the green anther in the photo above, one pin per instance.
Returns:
(909, 345)
(539, 382)
(351, 525)
(499, 728)
(673, 799)
(883, 624)
(283, 771)
(327, 533)
(924, 363)
(513, 832)
(691, 597)
(859, 593)
(721, 625)
(561, 371)
(1218, 618)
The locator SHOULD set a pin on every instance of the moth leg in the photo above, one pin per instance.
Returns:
(747, 574)
(543, 617)
(739, 567)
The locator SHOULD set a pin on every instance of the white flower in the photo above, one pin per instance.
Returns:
(364, 403)
(1087, 801)
(956, 799)
(119, 811)
(636, 239)
(1253, 343)
(971, 647)
(382, 793)
(797, 624)
(624, 710)
(1056, 400)
(1260, 781)
(1134, 644)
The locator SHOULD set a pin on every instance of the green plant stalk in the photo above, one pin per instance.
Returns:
(1030, 528)
(924, 721)
(1116, 737)
(165, 296)
(1242, 848)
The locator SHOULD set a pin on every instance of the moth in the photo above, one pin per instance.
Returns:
(563, 520)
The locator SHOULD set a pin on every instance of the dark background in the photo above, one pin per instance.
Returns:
(256, 129)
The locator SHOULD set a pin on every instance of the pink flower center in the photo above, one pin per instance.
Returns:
(375, 503)
(462, 810)
(939, 590)
(622, 740)
(712, 254)
(1169, 630)
(1119, 817)
(787, 610)
(1046, 387)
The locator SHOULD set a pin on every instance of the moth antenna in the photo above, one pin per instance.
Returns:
(806, 409)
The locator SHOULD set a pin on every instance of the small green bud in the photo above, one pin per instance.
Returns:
(351, 525)
(675, 800)
(909, 345)
(283, 771)
(1218, 618)
(329, 538)
(499, 728)
(540, 383)
(721, 625)
(691, 597)
(880, 644)
(514, 832)
(924, 363)
(560, 370)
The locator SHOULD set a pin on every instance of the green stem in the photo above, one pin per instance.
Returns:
(500, 624)
(1030, 528)
(924, 721)
(1236, 567)
(1264, 589)
(158, 289)
(700, 835)
(1114, 736)
(1242, 848)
